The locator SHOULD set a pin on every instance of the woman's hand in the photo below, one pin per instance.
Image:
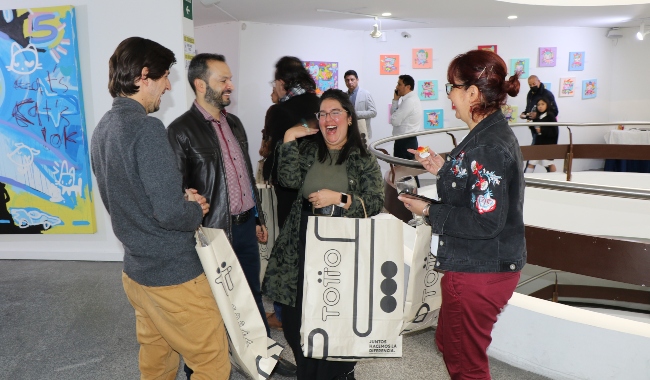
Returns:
(300, 130)
(324, 198)
(431, 163)
(416, 206)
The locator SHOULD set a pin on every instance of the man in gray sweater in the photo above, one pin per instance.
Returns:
(141, 188)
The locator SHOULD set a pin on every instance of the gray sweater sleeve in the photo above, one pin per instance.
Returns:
(162, 180)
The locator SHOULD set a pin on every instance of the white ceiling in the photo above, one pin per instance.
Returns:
(420, 13)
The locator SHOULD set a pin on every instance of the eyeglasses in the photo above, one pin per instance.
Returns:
(272, 83)
(450, 86)
(334, 114)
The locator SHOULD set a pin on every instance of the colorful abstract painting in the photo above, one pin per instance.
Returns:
(521, 66)
(492, 48)
(510, 112)
(422, 58)
(589, 88)
(428, 89)
(547, 56)
(325, 74)
(389, 64)
(45, 180)
(433, 119)
(576, 61)
(567, 86)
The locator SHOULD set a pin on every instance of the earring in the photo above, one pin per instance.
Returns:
(349, 123)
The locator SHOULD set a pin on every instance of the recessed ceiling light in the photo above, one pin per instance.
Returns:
(512, 17)
(386, 14)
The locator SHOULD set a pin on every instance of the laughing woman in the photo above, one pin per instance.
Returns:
(335, 175)
(480, 220)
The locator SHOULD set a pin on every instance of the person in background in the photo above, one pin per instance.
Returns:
(406, 117)
(544, 135)
(142, 190)
(479, 219)
(364, 106)
(334, 174)
(211, 150)
(537, 91)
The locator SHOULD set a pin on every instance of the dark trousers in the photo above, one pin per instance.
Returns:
(400, 150)
(471, 303)
(244, 243)
(308, 369)
(286, 197)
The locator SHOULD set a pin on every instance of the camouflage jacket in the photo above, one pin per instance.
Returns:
(364, 181)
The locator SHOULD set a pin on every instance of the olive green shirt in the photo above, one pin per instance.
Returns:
(326, 175)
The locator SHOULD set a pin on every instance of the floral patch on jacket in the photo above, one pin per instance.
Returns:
(457, 165)
(484, 202)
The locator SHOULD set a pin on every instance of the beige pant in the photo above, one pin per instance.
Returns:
(178, 319)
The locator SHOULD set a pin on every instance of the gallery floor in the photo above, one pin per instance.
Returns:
(71, 320)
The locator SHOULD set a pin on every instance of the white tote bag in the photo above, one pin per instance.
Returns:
(252, 352)
(270, 211)
(423, 296)
(353, 289)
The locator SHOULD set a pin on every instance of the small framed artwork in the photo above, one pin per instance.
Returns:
(521, 66)
(510, 112)
(589, 88)
(389, 64)
(547, 56)
(433, 119)
(547, 85)
(492, 48)
(422, 58)
(576, 61)
(567, 86)
(428, 89)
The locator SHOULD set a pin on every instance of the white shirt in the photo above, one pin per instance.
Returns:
(407, 117)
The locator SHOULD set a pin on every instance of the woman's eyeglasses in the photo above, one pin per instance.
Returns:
(451, 86)
(334, 114)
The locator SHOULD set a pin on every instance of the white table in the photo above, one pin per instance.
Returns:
(628, 137)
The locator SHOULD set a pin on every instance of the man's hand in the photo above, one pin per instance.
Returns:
(395, 96)
(262, 234)
(523, 115)
(532, 115)
(192, 195)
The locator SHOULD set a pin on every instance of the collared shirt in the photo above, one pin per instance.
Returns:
(407, 117)
(239, 185)
(353, 95)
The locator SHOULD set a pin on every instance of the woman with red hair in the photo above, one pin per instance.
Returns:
(479, 219)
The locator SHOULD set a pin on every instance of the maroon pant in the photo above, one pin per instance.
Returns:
(471, 303)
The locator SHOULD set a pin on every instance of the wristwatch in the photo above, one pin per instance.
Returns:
(344, 200)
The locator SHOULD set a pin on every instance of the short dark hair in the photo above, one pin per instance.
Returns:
(353, 137)
(351, 72)
(408, 81)
(292, 72)
(130, 57)
(199, 67)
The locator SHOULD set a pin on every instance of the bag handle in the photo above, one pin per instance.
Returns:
(365, 214)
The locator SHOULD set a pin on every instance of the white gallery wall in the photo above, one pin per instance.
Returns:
(101, 26)
(630, 99)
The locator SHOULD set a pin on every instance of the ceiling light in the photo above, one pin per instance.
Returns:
(640, 35)
(512, 17)
(376, 29)
(386, 14)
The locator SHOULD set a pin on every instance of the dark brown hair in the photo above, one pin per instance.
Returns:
(292, 72)
(487, 71)
(130, 57)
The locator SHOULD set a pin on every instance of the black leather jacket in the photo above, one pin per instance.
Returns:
(198, 153)
(481, 185)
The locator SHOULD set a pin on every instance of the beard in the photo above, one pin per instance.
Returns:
(215, 98)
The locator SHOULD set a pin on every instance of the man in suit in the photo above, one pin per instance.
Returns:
(364, 106)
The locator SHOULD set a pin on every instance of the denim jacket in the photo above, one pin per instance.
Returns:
(481, 185)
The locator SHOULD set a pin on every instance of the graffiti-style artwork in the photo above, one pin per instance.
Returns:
(576, 61)
(45, 180)
(433, 119)
(389, 64)
(428, 89)
(547, 56)
(422, 58)
(325, 74)
(492, 48)
(567, 86)
(589, 88)
(521, 66)
(510, 112)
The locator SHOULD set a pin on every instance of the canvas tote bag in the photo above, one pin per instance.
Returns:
(423, 295)
(252, 352)
(353, 290)
(270, 211)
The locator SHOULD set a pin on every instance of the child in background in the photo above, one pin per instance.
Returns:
(543, 135)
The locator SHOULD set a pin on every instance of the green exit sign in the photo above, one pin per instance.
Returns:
(187, 9)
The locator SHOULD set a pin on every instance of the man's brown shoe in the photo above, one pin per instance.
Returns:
(273, 321)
